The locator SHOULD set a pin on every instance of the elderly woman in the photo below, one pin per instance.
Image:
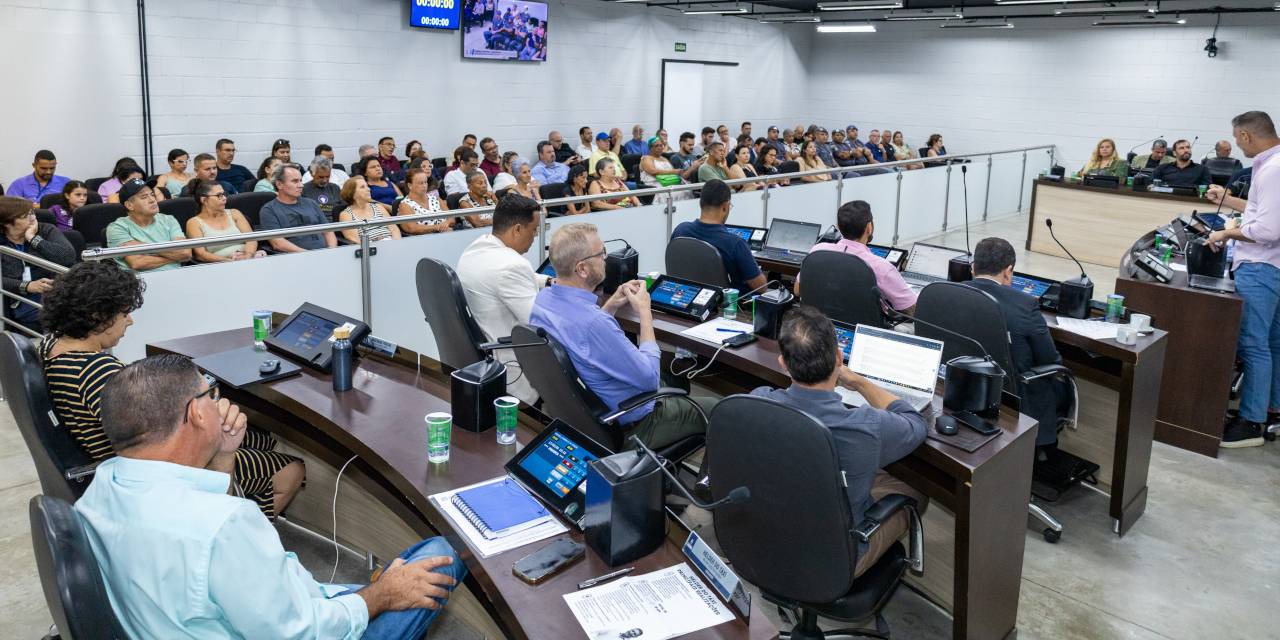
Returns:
(793, 147)
(1104, 161)
(87, 312)
(264, 184)
(213, 220)
(383, 190)
(362, 206)
(576, 186)
(422, 199)
(478, 195)
(525, 184)
(39, 239)
(609, 182)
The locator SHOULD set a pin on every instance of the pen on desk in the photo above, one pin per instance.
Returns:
(729, 330)
(608, 576)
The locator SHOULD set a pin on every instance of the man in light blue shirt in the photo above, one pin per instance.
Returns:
(547, 170)
(605, 358)
(182, 558)
(636, 144)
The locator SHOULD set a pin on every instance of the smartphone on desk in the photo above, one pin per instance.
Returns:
(975, 422)
(548, 561)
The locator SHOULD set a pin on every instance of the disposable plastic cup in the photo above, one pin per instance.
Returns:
(507, 407)
(439, 426)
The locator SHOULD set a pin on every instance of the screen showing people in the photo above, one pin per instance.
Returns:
(307, 331)
(559, 463)
(504, 30)
(433, 14)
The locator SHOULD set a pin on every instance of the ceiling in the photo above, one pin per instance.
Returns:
(980, 8)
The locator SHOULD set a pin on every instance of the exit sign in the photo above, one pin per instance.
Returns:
(681, 47)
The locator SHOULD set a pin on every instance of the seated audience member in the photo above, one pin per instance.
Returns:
(1220, 162)
(318, 185)
(773, 139)
(144, 224)
(603, 144)
(206, 167)
(456, 181)
(715, 168)
(745, 130)
(290, 210)
(1105, 161)
(856, 225)
(1148, 162)
(264, 173)
(163, 520)
(874, 146)
(365, 151)
(564, 154)
(422, 199)
(662, 133)
(387, 159)
(74, 195)
(1183, 171)
(280, 149)
(609, 182)
(113, 185)
(325, 150)
(413, 150)
(505, 176)
(636, 144)
(41, 181)
(177, 177)
(479, 195)
(708, 134)
(742, 168)
(935, 148)
(576, 186)
(586, 144)
(722, 134)
(491, 165)
(615, 140)
(767, 164)
(686, 159)
(809, 161)
(867, 438)
(213, 220)
(902, 151)
(843, 151)
(744, 273)
(606, 360)
(233, 174)
(501, 285)
(792, 146)
(525, 184)
(382, 188)
(548, 170)
(1030, 344)
(23, 233)
(362, 206)
(469, 141)
(657, 171)
(126, 173)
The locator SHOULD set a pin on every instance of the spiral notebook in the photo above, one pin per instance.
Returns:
(500, 509)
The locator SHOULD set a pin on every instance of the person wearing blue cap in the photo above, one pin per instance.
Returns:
(774, 141)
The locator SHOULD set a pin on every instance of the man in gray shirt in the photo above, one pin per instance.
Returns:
(321, 188)
(290, 210)
(867, 438)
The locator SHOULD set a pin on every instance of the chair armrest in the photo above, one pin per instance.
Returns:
(642, 399)
(1043, 371)
(76, 473)
(882, 510)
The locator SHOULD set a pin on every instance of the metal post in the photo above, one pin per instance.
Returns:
(897, 206)
(542, 239)
(671, 213)
(1022, 183)
(986, 199)
(366, 296)
(1051, 156)
(946, 202)
(839, 189)
(765, 207)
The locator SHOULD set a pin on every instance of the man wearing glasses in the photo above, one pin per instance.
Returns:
(233, 174)
(605, 358)
(456, 181)
(387, 158)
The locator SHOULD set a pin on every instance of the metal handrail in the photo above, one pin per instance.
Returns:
(39, 262)
(101, 253)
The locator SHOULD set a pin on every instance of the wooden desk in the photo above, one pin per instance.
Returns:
(784, 269)
(1096, 223)
(987, 491)
(381, 421)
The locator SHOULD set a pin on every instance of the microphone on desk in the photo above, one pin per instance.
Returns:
(1131, 153)
(743, 296)
(1074, 294)
(960, 268)
(737, 496)
(971, 383)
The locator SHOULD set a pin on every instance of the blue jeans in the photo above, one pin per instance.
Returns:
(412, 624)
(1259, 344)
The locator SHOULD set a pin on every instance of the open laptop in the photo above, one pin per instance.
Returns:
(928, 264)
(755, 236)
(789, 241)
(900, 363)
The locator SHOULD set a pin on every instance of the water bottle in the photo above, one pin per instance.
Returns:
(341, 359)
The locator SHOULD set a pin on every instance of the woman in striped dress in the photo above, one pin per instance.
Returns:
(87, 312)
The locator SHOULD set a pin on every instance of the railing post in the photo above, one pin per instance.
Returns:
(946, 202)
(765, 207)
(897, 207)
(839, 189)
(671, 214)
(1022, 183)
(987, 198)
(544, 228)
(366, 296)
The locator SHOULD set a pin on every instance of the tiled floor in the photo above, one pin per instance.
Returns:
(1200, 564)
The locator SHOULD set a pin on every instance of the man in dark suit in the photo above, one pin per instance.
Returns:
(1030, 344)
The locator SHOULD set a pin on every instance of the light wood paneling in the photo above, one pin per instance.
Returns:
(1097, 227)
(1095, 439)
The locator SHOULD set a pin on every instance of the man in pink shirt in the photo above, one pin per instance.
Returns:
(853, 219)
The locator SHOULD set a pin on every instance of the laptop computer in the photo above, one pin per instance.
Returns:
(900, 363)
(789, 240)
(928, 263)
(755, 236)
(1210, 283)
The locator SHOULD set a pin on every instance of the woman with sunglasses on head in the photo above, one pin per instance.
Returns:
(177, 177)
(86, 313)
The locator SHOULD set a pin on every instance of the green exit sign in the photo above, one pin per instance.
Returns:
(681, 47)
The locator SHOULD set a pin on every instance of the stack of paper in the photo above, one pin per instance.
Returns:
(1088, 328)
(485, 547)
(718, 330)
(664, 604)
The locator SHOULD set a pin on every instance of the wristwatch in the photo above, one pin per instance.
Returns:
(22, 287)
(35, 241)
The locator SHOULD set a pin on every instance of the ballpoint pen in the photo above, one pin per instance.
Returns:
(729, 330)
(608, 576)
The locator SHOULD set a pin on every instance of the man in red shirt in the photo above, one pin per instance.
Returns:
(492, 163)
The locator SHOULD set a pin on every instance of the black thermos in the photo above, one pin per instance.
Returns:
(341, 359)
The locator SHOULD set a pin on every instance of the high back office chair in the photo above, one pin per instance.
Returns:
(631, 163)
(248, 185)
(49, 199)
(789, 166)
(93, 183)
(182, 209)
(73, 587)
(64, 469)
(795, 538)
(551, 191)
(842, 286)
(696, 260)
(454, 198)
(91, 220)
(250, 206)
(444, 303)
(549, 369)
(974, 313)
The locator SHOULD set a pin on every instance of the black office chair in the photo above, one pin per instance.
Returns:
(631, 162)
(182, 209)
(550, 192)
(444, 305)
(49, 199)
(44, 215)
(63, 467)
(340, 167)
(93, 183)
(454, 199)
(842, 286)
(795, 538)
(549, 369)
(502, 193)
(974, 313)
(91, 220)
(76, 240)
(69, 574)
(250, 206)
(248, 185)
(790, 166)
(439, 163)
(696, 260)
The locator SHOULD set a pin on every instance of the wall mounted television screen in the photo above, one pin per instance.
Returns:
(504, 29)
(434, 14)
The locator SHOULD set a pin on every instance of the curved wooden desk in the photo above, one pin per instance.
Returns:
(381, 420)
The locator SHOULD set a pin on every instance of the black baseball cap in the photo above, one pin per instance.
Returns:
(130, 189)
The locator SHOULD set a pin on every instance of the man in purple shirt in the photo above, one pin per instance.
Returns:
(42, 181)
(605, 358)
(1256, 264)
(387, 158)
(854, 221)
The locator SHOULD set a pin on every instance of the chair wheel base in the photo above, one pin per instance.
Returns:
(1052, 536)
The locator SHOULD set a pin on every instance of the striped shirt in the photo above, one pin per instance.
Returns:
(75, 380)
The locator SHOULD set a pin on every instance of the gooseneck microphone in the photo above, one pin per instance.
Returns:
(960, 268)
(1074, 294)
(737, 496)
(1135, 147)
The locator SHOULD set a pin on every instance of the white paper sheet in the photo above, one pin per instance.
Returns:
(1095, 330)
(710, 331)
(1178, 266)
(664, 604)
(486, 548)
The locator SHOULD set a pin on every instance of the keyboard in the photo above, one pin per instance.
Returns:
(780, 256)
(1221, 285)
(921, 277)
(918, 401)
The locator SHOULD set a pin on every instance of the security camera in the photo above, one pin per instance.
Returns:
(1211, 46)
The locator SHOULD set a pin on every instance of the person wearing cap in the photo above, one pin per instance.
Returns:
(774, 141)
(636, 144)
(144, 224)
(40, 182)
(1159, 155)
(604, 144)
(826, 151)
(842, 149)
(861, 153)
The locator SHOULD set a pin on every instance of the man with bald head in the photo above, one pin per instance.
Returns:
(564, 153)
(1220, 162)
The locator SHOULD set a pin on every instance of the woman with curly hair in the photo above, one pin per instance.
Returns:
(86, 312)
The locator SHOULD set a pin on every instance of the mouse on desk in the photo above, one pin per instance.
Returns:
(947, 425)
(269, 366)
